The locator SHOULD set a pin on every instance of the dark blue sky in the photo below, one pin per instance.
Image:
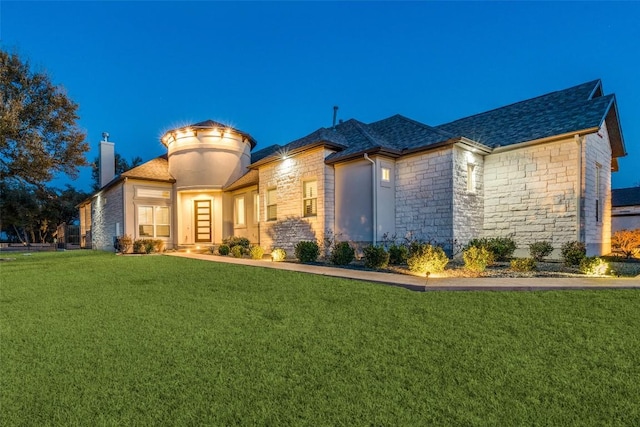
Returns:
(275, 70)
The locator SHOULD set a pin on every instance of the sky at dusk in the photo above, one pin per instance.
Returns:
(276, 69)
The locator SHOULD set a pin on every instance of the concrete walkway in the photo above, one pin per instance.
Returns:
(432, 284)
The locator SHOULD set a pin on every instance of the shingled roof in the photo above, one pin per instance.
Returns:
(580, 109)
(154, 170)
(625, 197)
(566, 111)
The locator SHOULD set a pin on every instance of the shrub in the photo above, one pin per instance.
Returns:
(138, 246)
(149, 245)
(212, 249)
(237, 251)
(375, 257)
(124, 244)
(342, 253)
(146, 246)
(158, 246)
(256, 252)
(237, 241)
(477, 259)
(540, 250)
(278, 255)
(307, 251)
(627, 242)
(501, 247)
(573, 253)
(523, 264)
(224, 249)
(594, 266)
(425, 258)
(398, 254)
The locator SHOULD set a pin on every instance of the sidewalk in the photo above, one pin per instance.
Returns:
(433, 284)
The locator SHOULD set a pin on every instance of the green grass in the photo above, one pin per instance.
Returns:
(89, 338)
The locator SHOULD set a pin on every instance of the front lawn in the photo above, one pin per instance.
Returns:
(89, 338)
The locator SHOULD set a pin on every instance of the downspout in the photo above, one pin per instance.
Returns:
(578, 139)
(375, 199)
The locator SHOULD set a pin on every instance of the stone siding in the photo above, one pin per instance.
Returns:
(287, 177)
(424, 203)
(597, 155)
(468, 204)
(106, 212)
(530, 193)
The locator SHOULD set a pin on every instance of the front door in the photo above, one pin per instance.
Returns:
(202, 211)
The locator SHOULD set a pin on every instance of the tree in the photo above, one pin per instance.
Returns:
(39, 136)
(32, 214)
(121, 165)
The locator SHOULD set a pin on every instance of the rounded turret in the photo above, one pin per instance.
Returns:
(207, 154)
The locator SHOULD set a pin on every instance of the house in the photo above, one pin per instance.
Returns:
(625, 209)
(535, 170)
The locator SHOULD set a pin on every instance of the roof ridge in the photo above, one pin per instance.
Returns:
(371, 135)
(426, 126)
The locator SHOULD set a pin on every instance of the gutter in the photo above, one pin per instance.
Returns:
(501, 148)
(374, 188)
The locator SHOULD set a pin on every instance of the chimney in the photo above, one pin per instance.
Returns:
(335, 114)
(107, 160)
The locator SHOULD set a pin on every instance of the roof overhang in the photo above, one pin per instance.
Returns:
(283, 153)
(173, 134)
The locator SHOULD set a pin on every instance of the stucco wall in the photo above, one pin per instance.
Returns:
(287, 176)
(530, 193)
(597, 155)
(386, 199)
(185, 216)
(133, 200)
(353, 204)
(424, 202)
(208, 160)
(107, 218)
(250, 229)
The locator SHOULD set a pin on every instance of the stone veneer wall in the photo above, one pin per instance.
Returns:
(287, 177)
(530, 193)
(424, 204)
(106, 211)
(597, 151)
(468, 206)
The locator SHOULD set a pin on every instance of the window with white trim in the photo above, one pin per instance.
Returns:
(310, 198)
(239, 211)
(471, 178)
(256, 208)
(385, 174)
(154, 221)
(272, 206)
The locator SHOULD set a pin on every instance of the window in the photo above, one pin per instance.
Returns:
(385, 175)
(598, 193)
(145, 221)
(153, 221)
(256, 208)
(163, 226)
(239, 211)
(310, 198)
(471, 178)
(272, 207)
(153, 193)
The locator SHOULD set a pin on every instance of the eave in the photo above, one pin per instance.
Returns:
(284, 154)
